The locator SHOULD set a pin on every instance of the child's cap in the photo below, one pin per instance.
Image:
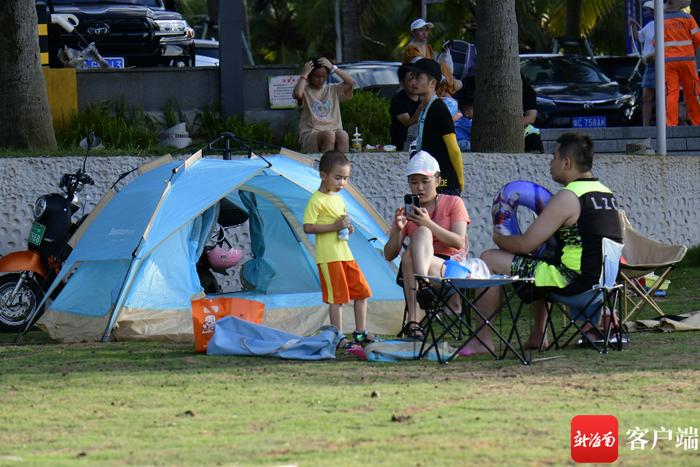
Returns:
(422, 163)
(420, 23)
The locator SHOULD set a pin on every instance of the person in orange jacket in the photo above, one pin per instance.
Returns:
(681, 38)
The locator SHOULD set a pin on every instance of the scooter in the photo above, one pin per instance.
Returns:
(26, 275)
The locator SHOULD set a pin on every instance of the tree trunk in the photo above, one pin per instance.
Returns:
(498, 106)
(351, 31)
(573, 18)
(25, 116)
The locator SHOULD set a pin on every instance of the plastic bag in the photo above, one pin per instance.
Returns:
(206, 311)
(446, 59)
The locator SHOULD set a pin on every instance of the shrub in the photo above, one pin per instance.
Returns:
(210, 123)
(368, 112)
(172, 114)
(119, 126)
(692, 258)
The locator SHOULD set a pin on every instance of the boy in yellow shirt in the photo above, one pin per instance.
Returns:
(341, 279)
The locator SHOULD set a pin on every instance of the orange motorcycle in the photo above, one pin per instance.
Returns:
(26, 275)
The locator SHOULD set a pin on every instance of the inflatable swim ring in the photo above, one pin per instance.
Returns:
(505, 211)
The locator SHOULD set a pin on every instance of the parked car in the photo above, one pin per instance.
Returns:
(572, 91)
(127, 33)
(377, 76)
(206, 52)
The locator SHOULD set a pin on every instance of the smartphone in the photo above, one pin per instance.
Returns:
(410, 202)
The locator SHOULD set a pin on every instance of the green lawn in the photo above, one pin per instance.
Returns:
(161, 404)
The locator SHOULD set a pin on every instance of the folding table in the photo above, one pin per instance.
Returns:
(453, 323)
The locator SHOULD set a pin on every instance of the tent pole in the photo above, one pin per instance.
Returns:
(121, 298)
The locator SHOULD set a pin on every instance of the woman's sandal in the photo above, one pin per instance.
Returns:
(412, 330)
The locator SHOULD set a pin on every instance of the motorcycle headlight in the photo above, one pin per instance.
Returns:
(171, 27)
(39, 207)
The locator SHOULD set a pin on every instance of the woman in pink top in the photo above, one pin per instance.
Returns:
(438, 230)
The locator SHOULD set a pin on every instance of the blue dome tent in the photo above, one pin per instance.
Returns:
(132, 273)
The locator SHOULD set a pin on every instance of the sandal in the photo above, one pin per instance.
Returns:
(345, 344)
(364, 338)
(412, 330)
(352, 347)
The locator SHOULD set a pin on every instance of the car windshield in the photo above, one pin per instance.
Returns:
(546, 70)
(156, 3)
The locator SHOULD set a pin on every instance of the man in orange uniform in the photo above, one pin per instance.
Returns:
(681, 37)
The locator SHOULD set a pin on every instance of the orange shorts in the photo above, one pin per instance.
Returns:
(342, 281)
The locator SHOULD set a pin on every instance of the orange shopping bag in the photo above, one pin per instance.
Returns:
(206, 311)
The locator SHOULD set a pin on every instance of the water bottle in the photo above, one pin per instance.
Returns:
(344, 234)
(357, 141)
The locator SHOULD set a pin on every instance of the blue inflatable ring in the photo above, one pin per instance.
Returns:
(505, 210)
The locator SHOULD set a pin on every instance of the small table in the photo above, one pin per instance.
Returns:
(443, 288)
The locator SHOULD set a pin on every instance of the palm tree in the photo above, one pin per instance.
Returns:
(498, 107)
(25, 116)
(540, 21)
(351, 31)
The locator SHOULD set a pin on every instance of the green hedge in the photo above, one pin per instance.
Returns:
(368, 112)
(129, 128)
(120, 127)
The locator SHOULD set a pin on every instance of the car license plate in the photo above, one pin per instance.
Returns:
(114, 62)
(36, 234)
(588, 122)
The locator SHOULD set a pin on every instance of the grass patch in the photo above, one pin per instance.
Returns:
(155, 403)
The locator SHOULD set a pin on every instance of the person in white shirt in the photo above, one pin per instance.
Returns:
(645, 35)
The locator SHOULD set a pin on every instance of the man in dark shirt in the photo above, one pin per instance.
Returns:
(404, 109)
(533, 141)
(436, 131)
(580, 215)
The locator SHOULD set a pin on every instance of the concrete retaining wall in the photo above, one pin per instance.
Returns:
(680, 140)
(191, 88)
(661, 195)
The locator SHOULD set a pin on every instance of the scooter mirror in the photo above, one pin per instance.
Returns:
(86, 144)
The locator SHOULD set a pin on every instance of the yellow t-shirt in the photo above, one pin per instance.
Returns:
(326, 209)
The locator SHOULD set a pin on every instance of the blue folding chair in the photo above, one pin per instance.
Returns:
(591, 313)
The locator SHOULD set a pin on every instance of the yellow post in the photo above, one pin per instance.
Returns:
(62, 91)
(44, 18)
(61, 83)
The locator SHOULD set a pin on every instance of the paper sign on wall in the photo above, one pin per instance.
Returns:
(280, 91)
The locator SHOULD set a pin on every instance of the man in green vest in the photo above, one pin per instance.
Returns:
(580, 215)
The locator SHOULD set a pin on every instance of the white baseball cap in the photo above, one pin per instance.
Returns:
(420, 23)
(422, 163)
(648, 4)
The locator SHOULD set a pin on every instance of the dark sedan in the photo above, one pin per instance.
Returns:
(573, 92)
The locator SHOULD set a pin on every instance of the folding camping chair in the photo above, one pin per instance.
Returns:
(592, 306)
(640, 256)
(403, 332)
(404, 323)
